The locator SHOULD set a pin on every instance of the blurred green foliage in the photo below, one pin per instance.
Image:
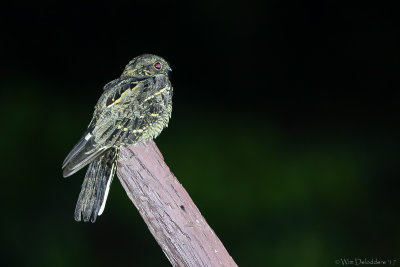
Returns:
(273, 197)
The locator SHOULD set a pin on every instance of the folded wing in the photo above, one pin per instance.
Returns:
(84, 152)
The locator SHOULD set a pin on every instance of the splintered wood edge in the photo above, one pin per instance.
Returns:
(170, 214)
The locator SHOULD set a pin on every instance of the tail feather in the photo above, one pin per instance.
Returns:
(95, 187)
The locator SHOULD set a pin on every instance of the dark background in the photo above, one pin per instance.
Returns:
(284, 131)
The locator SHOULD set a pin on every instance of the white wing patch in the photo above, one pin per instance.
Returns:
(87, 137)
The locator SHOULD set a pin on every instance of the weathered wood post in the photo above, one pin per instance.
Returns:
(169, 212)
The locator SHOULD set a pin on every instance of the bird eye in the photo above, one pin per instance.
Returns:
(157, 65)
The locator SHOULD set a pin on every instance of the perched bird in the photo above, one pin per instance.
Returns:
(133, 108)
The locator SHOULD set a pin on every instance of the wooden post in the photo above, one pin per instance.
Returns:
(169, 212)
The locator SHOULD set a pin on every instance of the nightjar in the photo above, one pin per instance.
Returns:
(133, 108)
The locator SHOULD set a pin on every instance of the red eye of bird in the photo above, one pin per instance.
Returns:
(157, 65)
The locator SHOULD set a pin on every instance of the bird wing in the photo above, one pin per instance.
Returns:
(122, 115)
(84, 152)
(101, 132)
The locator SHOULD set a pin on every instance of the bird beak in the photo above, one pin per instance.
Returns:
(169, 69)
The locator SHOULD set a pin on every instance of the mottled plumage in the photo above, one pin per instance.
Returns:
(133, 108)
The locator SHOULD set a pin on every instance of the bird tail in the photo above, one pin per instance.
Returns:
(96, 185)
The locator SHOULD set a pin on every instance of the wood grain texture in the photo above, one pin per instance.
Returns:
(169, 212)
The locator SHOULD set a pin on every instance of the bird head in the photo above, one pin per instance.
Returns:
(146, 65)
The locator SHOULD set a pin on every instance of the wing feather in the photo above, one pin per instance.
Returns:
(83, 153)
